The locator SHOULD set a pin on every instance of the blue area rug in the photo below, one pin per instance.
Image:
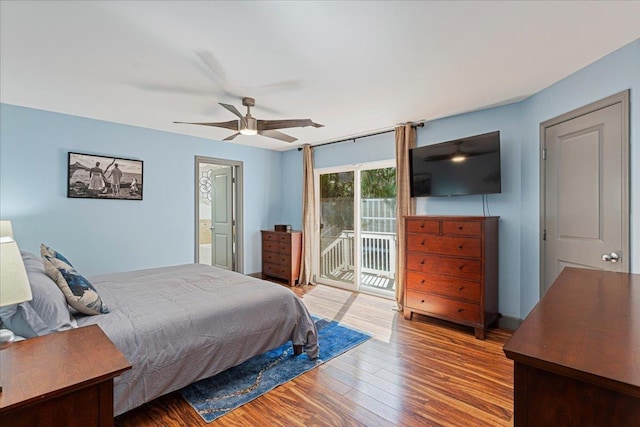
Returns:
(222, 393)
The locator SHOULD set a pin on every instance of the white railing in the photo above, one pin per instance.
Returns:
(378, 254)
(378, 215)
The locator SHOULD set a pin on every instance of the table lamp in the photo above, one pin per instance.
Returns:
(5, 228)
(14, 283)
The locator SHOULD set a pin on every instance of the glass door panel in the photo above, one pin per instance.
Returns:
(378, 230)
(337, 233)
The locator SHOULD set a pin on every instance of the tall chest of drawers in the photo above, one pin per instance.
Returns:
(452, 269)
(281, 253)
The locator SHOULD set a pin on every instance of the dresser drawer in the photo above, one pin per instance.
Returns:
(430, 226)
(278, 247)
(276, 236)
(462, 228)
(276, 270)
(470, 269)
(443, 285)
(457, 246)
(276, 258)
(443, 307)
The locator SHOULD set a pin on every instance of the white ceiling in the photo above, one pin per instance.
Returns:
(359, 67)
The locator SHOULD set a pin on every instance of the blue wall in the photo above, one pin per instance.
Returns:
(102, 236)
(519, 203)
(105, 235)
(614, 73)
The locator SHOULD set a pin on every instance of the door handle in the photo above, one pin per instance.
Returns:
(612, 257)
(212, 228)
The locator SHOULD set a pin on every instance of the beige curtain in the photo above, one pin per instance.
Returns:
(405, 139)
(308, 216)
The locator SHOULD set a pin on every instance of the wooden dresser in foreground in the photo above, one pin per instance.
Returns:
(452, 269)
(281, 251)
(61, 379)
(577, 354)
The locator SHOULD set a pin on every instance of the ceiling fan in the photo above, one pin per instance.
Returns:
(248, 125)
(458, 155)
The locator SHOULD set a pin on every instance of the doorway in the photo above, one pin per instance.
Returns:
(585, 189)
(218, 213)
(356, 207)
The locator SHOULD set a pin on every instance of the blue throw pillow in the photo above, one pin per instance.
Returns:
(77, 290)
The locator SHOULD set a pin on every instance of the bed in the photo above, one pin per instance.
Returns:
(179, 324)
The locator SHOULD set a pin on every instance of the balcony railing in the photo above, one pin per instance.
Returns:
(378, 254)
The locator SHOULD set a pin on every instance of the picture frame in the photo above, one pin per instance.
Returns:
(96, 177)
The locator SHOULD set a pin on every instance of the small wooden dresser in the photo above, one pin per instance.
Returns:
(63, 379)
(452, 269)
(281, 251)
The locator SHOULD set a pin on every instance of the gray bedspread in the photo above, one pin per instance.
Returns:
(180, 324)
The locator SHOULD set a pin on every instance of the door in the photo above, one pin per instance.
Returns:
(218, 213)
(222, 218)
(585, 191)
(357, 234)
(337, 228)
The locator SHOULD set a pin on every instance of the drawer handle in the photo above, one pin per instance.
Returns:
(460, 267)
(422, 302)
(459, 246)
(422, 281)
(422, 243)
(460, 310)
(459, 227)
(422, 225)
(421, 262)
(461, 288)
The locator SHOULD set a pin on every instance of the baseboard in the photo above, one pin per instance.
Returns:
(508, 322)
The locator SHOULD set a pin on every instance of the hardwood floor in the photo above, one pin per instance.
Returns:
(412, 373)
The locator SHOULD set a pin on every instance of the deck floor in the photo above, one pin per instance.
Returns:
(367, 280)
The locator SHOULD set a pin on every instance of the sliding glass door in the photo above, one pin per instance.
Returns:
(356, 210)
(337, 246)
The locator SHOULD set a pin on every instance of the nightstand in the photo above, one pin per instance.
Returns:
(61, 379)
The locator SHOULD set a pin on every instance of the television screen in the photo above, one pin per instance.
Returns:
(457, 168)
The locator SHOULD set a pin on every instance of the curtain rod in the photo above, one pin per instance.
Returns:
(417, 125)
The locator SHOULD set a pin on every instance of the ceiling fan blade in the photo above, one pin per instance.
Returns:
(231, 124)
(233, 109)
(229, 138)
(277, 135)
(281, 85)
(210, 61)
(438, 158)
(217, 71)
(170, 88)
(283, 124)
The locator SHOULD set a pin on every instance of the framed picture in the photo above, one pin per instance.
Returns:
(99, 177)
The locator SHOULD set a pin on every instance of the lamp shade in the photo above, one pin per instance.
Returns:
(14, 283)
(5, 228)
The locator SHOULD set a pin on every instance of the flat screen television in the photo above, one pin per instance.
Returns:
(457, 168)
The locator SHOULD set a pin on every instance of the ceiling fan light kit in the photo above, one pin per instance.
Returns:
(248, 125)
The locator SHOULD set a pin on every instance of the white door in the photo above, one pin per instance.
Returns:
(586, 217)
(218, 213)
(222, 218)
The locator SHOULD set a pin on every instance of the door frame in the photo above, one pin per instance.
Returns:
(623, 99)
(237, 209)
